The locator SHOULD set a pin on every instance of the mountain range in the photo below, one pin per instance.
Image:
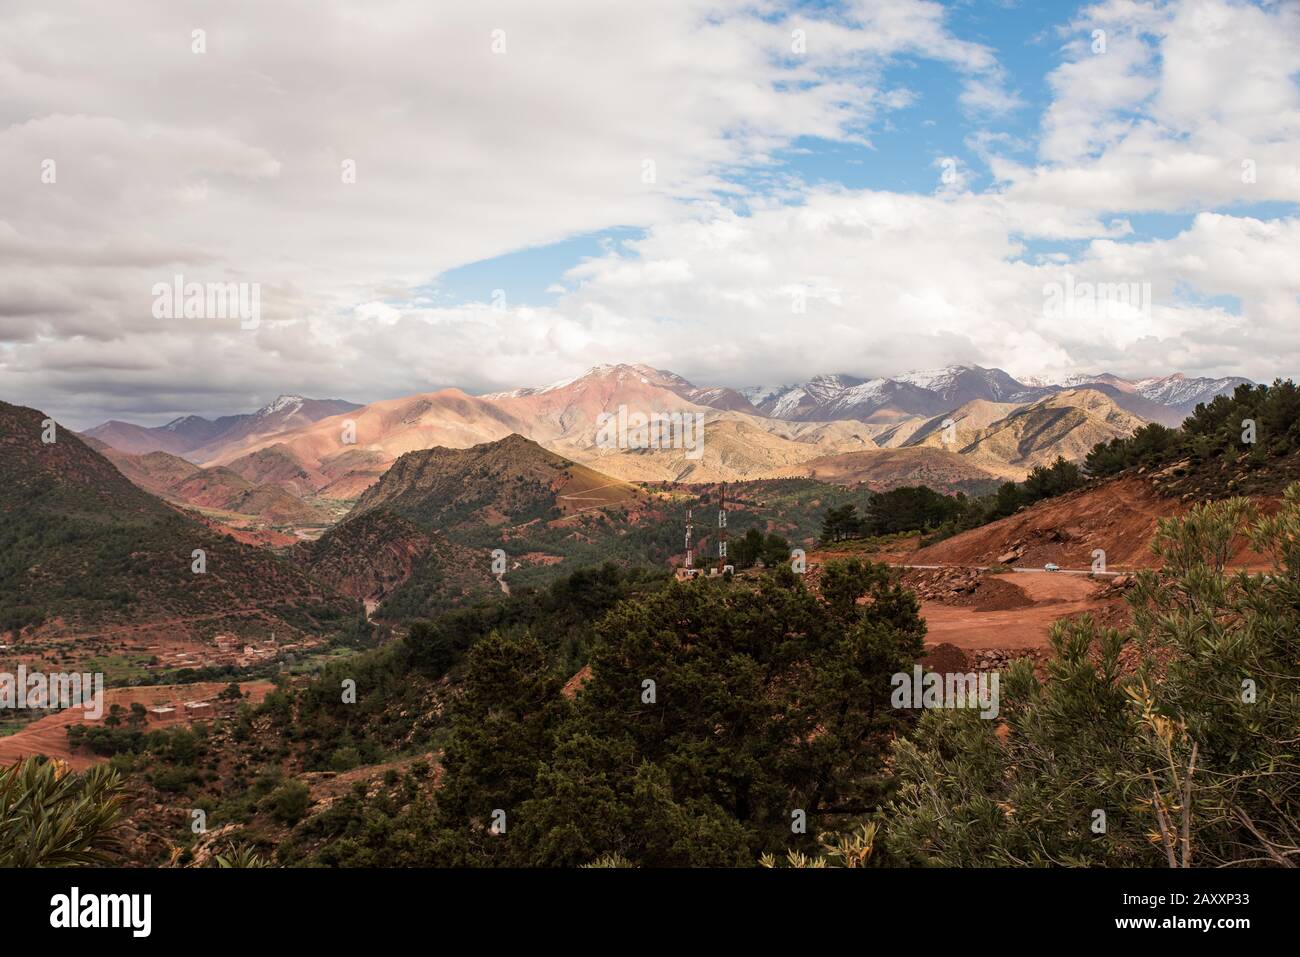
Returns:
(412, 493)
(194, 436)
(963, 427)
(89, 555)
(1167, 400)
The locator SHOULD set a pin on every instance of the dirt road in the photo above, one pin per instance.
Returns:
(1053, 595)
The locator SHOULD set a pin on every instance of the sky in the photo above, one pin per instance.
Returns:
(505, 193)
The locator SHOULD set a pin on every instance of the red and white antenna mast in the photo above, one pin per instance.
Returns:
(722, 526)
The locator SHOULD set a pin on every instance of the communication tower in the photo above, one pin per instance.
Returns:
(722, 527)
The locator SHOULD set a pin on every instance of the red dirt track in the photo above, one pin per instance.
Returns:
(1016, 610)
(970, 628)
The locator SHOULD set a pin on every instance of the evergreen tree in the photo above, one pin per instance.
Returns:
(504, 727)
(1103, 764)
(840, 523)
(909, 509)
(713, 711)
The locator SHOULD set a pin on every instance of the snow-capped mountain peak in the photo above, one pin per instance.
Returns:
(786, 404)
(288, 404)
(178, 424)
(920, 392)
(933, 379)
(1178, 389)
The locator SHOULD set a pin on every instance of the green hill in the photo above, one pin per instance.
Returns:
(83, 548)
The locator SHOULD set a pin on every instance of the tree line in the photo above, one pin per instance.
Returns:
(1260, 422)
(918, 508)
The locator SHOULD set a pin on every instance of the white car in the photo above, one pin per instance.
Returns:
(1051, 567)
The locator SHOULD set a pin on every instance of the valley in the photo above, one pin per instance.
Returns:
(401, 507)
(986, 528)
(453, 446)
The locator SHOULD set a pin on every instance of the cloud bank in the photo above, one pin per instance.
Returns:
(344, 158)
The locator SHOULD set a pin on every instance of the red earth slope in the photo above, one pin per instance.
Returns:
(1119, 517)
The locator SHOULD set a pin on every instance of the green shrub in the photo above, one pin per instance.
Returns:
(289, 802)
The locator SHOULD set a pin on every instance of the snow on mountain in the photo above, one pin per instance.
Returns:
(1038, 381)
(1179, 390)
(288, 404)
(760, 394)
(534, 390)
(961, 384)
(826, 398)
(787, 403)
(933, 379)
(619, 372)
(185, 422)
(928, 391)
(1073, 381)
(864, 394)
(829, 388)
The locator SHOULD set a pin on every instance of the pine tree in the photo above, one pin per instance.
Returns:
(1187, 758)
(712, 713)
(504, 727)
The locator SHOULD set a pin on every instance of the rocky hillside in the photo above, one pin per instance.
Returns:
(372, 554)
(885, 469)
(1066, 424)
(81, 547)
(509, 482)
(217, 489)
(1118, 517)
(422, 538)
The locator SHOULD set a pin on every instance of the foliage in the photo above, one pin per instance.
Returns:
(1214, 432)
(937, 516)
(841, 522)
(1148, 446)
(1043, 481)
(1199, 735)
(563, 615)
(911, 508)
(52, 817)
(289, 802)
(765, 699)
(240, 856)
(852, 849)
(754, 547)
(80, 543)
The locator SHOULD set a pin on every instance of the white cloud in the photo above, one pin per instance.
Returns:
(227, 165)
(1164, 117)
(896, 281)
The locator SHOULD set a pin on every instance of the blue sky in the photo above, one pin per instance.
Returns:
(905, 146)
